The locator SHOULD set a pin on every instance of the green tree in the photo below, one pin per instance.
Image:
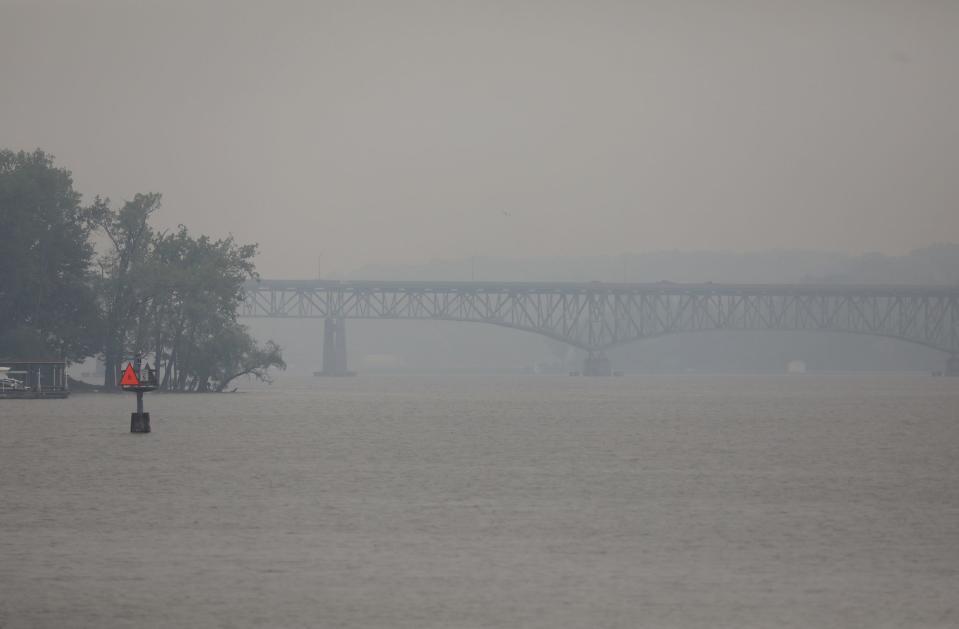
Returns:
(47, 303)
(175, 297)
(123, 294)
(230, 353)
(198, 290)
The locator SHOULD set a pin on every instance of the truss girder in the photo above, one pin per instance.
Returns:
(600, 316)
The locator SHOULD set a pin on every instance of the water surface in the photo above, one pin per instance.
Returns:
(694, 501)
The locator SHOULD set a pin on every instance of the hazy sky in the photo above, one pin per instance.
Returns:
(406, 131)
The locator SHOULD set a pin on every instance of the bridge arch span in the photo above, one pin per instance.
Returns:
(596, 317)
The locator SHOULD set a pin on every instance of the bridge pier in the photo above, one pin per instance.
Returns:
(334, 347)
(597, 364)
(952, 365)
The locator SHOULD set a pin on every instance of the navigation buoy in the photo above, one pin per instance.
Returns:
(129, 378)
(139, 381)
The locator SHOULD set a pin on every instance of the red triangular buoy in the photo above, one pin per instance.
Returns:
(129, 378)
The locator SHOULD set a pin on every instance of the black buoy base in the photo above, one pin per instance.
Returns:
(139, 422)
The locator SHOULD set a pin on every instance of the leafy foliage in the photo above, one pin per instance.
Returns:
(176, 296)
(170, 295)
(121, 293)
(47, 302)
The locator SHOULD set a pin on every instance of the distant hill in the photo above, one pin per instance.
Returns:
(937, 264)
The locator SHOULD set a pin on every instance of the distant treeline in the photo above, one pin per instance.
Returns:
(172, 297)
(935, 264)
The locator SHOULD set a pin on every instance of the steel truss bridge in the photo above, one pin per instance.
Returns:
(597, 316)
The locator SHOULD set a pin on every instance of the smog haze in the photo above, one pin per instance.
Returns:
(381, 133)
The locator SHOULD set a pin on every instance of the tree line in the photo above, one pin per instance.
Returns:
(169, 295)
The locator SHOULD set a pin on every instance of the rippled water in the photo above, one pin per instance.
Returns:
(488, 502)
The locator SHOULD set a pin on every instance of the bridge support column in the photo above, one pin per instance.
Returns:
(952, 365)
(334, 347)
(597, 364)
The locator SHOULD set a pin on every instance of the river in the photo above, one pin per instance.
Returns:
(488, 501)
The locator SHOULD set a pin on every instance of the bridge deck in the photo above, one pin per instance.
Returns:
(597, 315)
